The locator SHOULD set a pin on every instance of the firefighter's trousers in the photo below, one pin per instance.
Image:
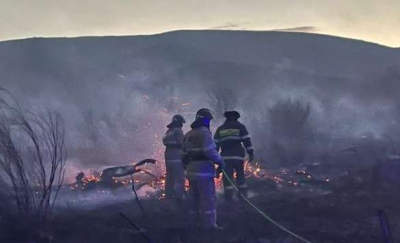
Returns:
(202, 203)
(175, 180)
(232, 166)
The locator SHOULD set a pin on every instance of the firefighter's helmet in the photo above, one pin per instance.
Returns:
(204, 113)
(232, 115)
(179, 119)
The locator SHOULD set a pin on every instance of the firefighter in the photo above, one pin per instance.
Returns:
(173, 138)
(200, 155)
(233, 140)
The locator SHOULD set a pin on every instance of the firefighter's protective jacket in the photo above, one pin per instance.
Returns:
(199, 152)
(173, 139)
(231, 137)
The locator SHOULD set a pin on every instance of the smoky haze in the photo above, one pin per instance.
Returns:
(117, 94)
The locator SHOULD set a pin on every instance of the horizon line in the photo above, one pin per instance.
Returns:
(189, 30)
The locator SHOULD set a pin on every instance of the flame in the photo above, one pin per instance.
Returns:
(91, 178)
(153, 128)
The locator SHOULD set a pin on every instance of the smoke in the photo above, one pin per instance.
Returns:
(300, 29)
(118, 94)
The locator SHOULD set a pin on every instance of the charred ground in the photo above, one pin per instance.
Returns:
(321, 105)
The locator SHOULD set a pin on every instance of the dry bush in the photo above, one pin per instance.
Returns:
(222, 99)
(32, 162)
(290, 131)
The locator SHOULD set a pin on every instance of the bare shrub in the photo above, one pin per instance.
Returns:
(32, 160)
(290, 131)
(222, 99)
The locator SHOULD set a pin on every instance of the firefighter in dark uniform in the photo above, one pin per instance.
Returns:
(200, 155)
(173, 138)
(234, 140)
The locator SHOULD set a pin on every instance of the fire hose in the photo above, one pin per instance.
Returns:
(137, 197)
(138, 228)
(120, 171)
(387, 232)
(264, 215)
(131, 172)
(152, 161)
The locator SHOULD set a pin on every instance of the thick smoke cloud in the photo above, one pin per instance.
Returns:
(118, 93)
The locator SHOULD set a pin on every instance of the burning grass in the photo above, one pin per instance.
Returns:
(320, 204)
(320, 212)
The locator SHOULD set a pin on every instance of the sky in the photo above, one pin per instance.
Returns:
(370, 20)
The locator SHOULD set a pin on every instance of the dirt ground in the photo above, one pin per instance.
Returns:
(342, 211)
(330, 216)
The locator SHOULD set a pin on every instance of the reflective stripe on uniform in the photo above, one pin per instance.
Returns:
(173, 161)
(229, 132)
(209, 147)
(250, 148)
(229, 138)
(171, 143)
(189, 173)
(209, 212)
(229, 188)
(194, 149)
(233, 157)
(242, 186)
(246, 136)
